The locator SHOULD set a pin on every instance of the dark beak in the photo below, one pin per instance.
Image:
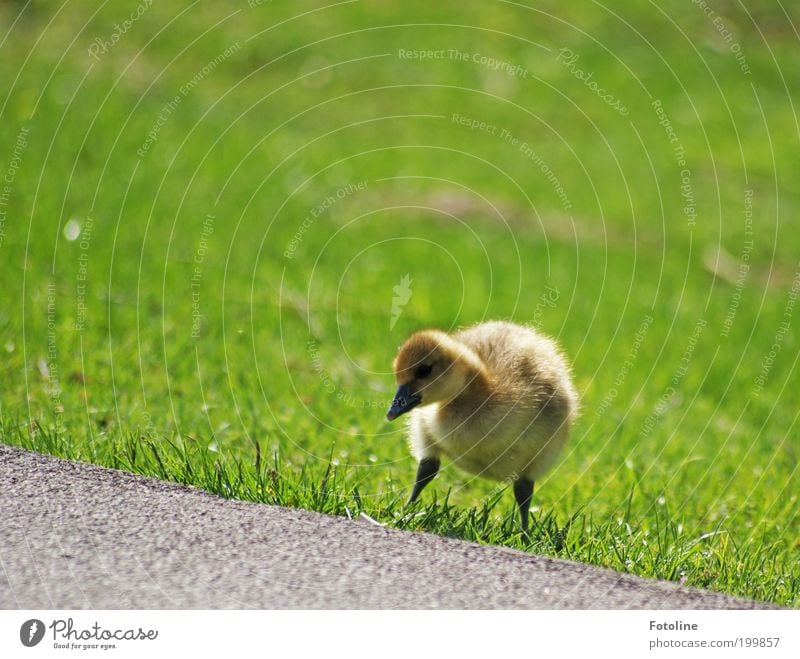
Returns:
(403, 401)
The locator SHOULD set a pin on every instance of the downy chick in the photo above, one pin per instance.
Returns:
(497, 399)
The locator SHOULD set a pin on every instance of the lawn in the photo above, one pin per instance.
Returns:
(218, 222)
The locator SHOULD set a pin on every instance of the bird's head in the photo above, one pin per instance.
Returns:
(431, 367)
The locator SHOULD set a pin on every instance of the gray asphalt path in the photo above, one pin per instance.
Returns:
(74, 535)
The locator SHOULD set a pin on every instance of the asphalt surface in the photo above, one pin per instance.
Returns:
(74, 535)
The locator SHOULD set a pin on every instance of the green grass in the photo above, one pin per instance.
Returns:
(684, 464)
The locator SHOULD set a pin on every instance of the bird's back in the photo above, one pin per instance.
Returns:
(527, 369)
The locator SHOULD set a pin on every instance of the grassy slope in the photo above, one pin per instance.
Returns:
(281, 398)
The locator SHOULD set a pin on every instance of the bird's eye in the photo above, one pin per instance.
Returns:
(423, 371)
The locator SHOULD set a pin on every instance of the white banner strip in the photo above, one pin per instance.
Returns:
(402, 634)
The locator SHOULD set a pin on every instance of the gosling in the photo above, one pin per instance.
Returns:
(497, 399)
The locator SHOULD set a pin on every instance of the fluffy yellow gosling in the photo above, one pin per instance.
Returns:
(497, 399)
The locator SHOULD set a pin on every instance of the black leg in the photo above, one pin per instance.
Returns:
(523, 492)
(426, 471)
